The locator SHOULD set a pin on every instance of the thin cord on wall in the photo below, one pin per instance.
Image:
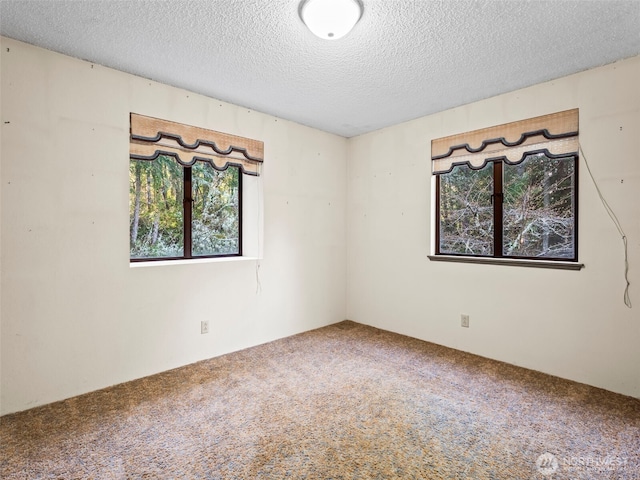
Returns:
(259, 230)
(258, 284)
(616, 222)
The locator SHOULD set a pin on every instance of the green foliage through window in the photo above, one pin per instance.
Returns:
(162, 193)
(215, 222)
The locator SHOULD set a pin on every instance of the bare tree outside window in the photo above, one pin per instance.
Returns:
(538, 208)
(466, 213)
(526, 210)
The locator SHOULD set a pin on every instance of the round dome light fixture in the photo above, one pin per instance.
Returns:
(330, 19)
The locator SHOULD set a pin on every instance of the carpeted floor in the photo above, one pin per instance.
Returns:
(343, 402)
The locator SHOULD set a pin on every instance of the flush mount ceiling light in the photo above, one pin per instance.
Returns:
(330, 19)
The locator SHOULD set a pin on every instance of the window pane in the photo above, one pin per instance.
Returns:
(539, 208)
(466, 213)
(155, 208)
(216, 212)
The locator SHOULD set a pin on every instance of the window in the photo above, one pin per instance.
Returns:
(164, 195)
(185, 194)
(509, 191)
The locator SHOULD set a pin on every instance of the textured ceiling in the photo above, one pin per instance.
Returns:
(403, 60)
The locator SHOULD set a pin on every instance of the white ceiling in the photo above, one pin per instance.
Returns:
(403, 60)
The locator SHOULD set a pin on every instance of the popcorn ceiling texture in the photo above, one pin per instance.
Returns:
(404, 59)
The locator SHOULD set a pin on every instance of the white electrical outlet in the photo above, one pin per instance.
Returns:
(204, 326)
(464, 320)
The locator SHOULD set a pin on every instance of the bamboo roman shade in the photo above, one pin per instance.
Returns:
(554, 135)
(151, 137)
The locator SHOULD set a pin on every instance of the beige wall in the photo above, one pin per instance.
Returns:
(75, 316)
(570, 324)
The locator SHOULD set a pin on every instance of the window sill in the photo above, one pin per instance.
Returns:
(511, 262)
(164, 263)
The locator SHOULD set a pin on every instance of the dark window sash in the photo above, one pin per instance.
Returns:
(497, 199)
(187, 213)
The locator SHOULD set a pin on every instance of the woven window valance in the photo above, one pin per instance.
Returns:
(554, 135)
(152, 137)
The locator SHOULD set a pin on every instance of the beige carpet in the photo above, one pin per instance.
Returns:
(343, 402)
